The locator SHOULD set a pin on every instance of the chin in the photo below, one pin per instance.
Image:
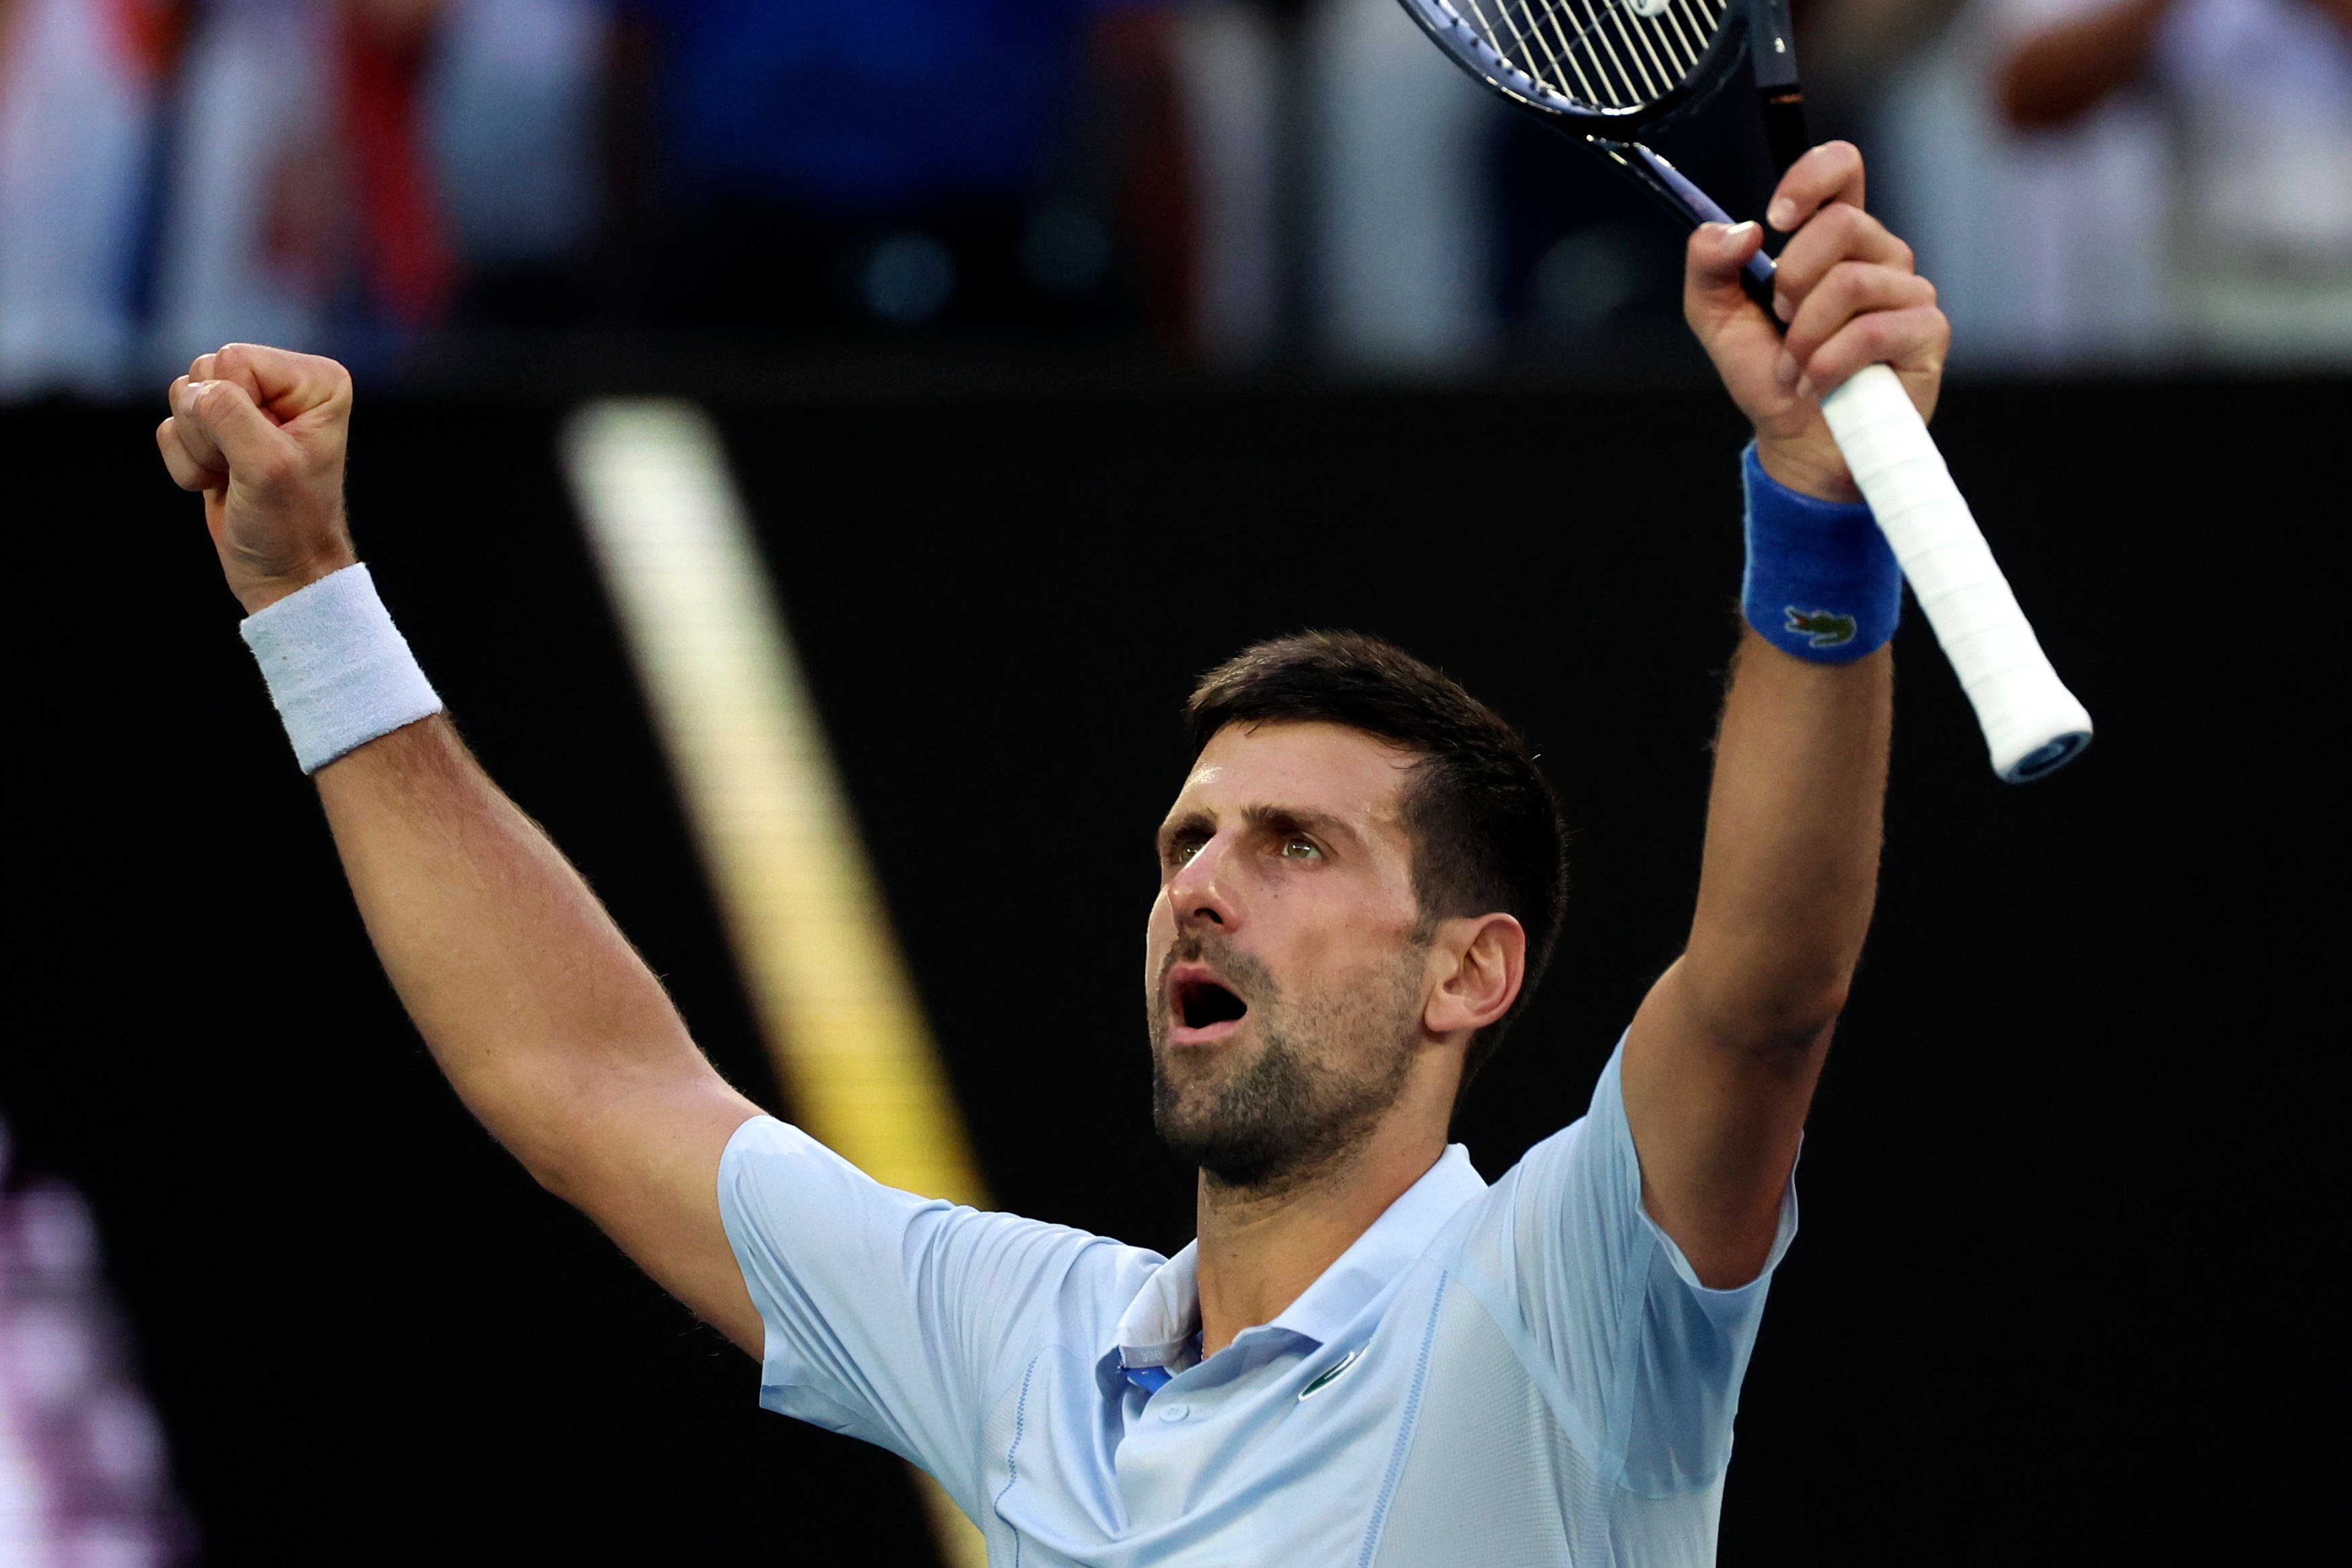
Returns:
(1234, 1110)
(1234, 1160)
(1186, 1103)
(1191, 1090)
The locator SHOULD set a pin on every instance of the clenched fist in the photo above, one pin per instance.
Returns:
(1849, 296)
(261, 432)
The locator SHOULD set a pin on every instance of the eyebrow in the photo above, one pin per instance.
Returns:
(1297, 820)
(1193, 821)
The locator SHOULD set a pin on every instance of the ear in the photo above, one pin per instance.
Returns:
(1477, 964)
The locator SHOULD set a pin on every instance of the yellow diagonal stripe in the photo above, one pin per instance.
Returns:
(811, 935)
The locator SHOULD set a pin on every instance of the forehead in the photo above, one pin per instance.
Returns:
(1309, 766)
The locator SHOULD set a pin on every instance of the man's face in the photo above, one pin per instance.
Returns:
(1285, 963)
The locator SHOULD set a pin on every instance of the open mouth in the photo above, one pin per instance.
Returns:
(1202, 1003)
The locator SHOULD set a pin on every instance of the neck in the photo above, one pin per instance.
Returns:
(1262, 1245)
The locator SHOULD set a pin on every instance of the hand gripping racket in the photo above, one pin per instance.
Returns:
(1603, 71)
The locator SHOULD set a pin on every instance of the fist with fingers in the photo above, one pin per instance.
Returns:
(261, 432)
(1847, 296)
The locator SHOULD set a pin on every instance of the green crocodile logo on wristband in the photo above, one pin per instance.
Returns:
(1827, 628)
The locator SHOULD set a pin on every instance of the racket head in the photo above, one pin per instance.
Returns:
(1607, 67)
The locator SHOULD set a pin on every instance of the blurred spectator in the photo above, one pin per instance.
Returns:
(301, 196)
(2119, 181)
(909, 162)
(1231, 68)
(84, 1478)
(365, 176)
(344, 175)
(1401, 218)
(2088, 181)
(79, 84)
(512, 106)
(2258, 97)
(873, 105)
(1850, 47)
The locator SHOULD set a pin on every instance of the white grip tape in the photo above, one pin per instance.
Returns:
(2030, 721)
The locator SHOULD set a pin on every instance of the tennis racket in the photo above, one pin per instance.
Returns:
(1603, 71)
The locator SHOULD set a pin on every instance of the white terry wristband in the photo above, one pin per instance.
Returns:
(338, 670)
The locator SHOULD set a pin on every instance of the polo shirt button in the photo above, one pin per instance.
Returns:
(1175, 1412)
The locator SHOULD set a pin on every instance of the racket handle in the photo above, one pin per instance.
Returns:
(2031, 723)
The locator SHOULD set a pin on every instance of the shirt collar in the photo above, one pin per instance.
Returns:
(1162, 1326)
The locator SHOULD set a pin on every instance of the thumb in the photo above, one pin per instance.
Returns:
(1713, 260)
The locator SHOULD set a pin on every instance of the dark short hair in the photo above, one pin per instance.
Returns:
(1487, 832)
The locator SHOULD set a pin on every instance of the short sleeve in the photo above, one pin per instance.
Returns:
(1643, 1362)
(890, 1317)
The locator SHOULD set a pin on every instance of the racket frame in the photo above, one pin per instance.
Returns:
(1611, 134)
(1468, 47)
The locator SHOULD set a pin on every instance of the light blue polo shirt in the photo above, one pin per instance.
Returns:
(1518, 1375)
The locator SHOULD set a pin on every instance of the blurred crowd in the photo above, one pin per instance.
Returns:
(420, 187)
(84, 1476)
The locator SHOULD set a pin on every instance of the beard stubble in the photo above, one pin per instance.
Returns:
(1289, 1112)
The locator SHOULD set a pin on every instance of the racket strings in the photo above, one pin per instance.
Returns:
(1599, 54)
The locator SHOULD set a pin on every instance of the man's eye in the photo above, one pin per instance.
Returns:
(1298, 849)
(1182, 851)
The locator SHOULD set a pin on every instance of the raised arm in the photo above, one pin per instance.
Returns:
(1722, 1057)
(549, 1026)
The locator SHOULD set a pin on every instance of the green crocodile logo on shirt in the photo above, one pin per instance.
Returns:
(1827, 628)
(1332, 1376)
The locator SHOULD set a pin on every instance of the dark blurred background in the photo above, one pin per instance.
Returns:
(1060, 349)
(2063, 1191)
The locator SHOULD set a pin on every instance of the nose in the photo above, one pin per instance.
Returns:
(1202, 891)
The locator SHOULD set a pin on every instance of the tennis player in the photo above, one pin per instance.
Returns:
(1369, 1356)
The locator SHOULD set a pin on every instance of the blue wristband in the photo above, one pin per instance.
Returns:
(1822, 584)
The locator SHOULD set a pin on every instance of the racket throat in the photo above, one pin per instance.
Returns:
(1689, 204)
(1692, 205)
